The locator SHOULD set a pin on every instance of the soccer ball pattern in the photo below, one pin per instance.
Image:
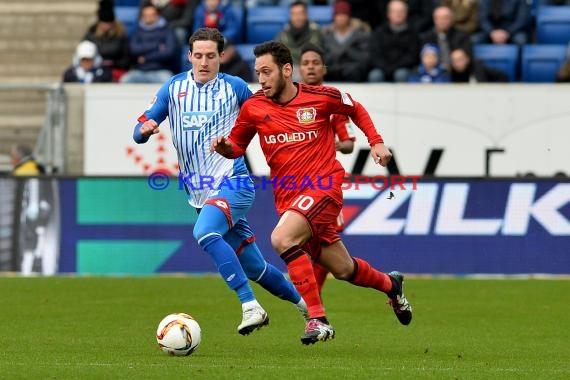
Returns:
(178, 334)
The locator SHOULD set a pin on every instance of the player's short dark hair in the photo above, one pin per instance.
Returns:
(208, 34)
(280, 53)
(299, 2)
(315, 48)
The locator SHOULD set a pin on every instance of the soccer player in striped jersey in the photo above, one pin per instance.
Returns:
(201, 104)
(313, 70)
(293, 123)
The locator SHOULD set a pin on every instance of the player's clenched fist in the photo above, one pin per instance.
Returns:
(222, 145)
(149, 127)
(381, 154)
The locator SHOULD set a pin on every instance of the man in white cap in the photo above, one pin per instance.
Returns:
(87, 66)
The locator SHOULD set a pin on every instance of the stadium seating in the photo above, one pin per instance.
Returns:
(246, 52)
(321, 14)
(128, 3)
(240, 19)
(263, 23)
(553, 25)
(540, 63)
(129, 16)
(501, 57)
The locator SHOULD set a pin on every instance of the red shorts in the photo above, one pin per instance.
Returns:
(321, 212)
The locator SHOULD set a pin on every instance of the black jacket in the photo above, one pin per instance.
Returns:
(480, 73)
(391, 50)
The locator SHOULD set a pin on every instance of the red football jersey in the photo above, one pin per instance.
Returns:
(298, 141)
(342, 127)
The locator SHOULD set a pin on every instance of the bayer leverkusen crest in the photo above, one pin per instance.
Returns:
(306, 115)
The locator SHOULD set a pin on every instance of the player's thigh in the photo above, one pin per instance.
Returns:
(213, 218)
(238, 197)
(291, 230)
(337, 260)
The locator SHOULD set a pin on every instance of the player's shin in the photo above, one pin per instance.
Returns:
(301, 273)
(320, 275)
(366, 276)
(267, 275)
(228, 265)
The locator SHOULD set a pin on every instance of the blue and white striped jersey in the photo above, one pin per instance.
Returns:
(198, 113)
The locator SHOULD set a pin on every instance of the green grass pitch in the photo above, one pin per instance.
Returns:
(104, 328)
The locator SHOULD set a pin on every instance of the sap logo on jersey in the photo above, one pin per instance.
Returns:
(193, 121)
(442, 209)
(291, 137)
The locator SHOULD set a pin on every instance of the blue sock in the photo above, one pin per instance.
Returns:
(228, 265)
(267, 275)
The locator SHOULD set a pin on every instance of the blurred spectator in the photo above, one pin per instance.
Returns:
(420, 15)
(465, 14)
(503, 21)
(232, 63)
(214, 14)
(179, 15)
(465, 70)
(394, 47)
(298, 32)
(446, 35)
(110, 36)
(345, 42)
(23, 162)
(154, 49)
(430, 70)
(372, 12)
(87, 66)
(564, 73)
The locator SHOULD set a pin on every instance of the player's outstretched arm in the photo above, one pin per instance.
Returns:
(381, 154)
(143, 131)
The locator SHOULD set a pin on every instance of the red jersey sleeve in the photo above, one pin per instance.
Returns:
(243, 132)
(342, 127)
(343, 104)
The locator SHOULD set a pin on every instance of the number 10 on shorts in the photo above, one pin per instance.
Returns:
(303, 202)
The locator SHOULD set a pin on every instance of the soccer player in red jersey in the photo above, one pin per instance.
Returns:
(313, 70)
(293, 123)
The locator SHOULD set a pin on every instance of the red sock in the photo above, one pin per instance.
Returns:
(301, 273)
(320, 275)
(366, 276)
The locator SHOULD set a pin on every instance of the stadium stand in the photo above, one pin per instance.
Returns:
(127, 3)
(246, 52)
(553, 24)
(263, 23)
(540, 63)
(128, 15)
(321, 14)
(501, 57)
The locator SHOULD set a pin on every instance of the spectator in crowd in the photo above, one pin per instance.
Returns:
(420, 15)
(153, 48)
(564, 73)
(503, 22)
(394, 47)
(232, 63)
(214, 14)
(372, 12)
(23, 162)
(465, 14)
(345, 42)
(87, 66)
(179, 15)
(110, 36)
(430, 70)
(465, 70)
(446, 35)
(298, 32)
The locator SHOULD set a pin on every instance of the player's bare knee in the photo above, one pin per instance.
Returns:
(281, 240)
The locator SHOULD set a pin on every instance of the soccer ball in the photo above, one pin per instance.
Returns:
(178, 334)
